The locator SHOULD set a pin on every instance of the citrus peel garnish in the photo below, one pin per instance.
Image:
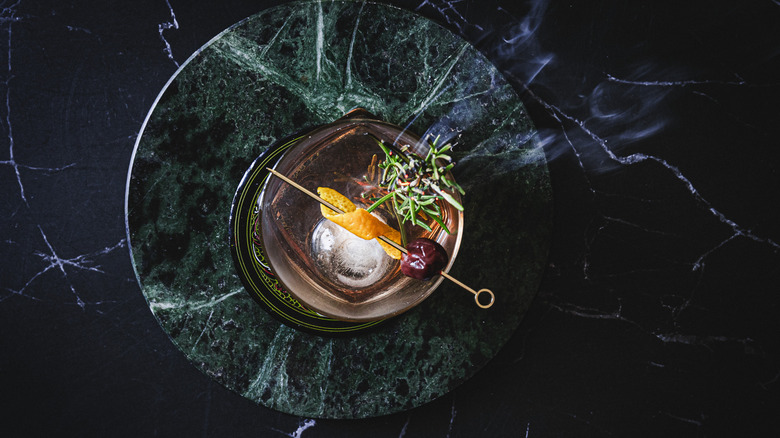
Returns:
(358, 221)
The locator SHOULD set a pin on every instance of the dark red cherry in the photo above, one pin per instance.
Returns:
(424, 259)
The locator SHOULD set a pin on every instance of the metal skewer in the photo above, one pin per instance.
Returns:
(488, 292)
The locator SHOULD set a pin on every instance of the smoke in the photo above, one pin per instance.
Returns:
(519, 44)
(595, 115)
(451, 125)
(611, 114)
(590, 113)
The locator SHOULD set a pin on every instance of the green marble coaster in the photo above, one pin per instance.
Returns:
(288, 69)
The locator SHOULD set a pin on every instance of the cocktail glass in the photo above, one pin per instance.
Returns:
(325, 267)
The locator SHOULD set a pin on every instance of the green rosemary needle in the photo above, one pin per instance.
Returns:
(414, 183)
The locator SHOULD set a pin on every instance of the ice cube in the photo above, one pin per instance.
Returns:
(346, 258)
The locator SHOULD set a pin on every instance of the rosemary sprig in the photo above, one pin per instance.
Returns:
(414, 183)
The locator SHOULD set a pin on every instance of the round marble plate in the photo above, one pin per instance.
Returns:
(288, 69)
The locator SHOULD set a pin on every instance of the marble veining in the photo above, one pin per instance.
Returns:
(168, 25)
(49, 257)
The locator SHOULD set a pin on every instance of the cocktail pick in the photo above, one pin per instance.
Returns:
(487, 292)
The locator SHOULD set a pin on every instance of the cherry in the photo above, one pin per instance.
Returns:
(424, 259)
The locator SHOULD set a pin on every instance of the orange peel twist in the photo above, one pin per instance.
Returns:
(358, 221)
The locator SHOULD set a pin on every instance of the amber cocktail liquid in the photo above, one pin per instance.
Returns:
(327, 268)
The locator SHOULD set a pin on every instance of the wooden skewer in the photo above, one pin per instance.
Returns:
(488, 292)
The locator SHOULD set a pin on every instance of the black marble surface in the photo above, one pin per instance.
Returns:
(657, 315)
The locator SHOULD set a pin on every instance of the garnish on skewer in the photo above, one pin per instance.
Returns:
(424, 259)
(396, 245)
